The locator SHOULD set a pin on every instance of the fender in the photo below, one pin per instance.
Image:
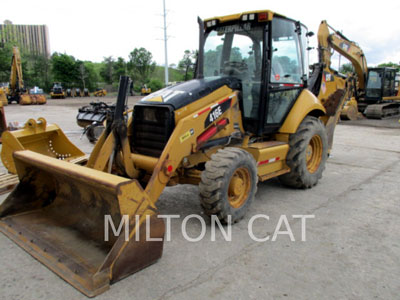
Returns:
(306, 103)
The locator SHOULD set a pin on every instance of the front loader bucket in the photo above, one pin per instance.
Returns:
(26, 99)
(39, 137)
(57, 214)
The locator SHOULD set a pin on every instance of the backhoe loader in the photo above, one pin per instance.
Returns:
(251, 114)
(17, 90)
(100, 92)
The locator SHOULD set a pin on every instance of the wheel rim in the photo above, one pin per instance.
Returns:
(239, 187)
(314, 153)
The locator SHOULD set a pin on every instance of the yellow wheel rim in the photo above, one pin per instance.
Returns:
(239, 187)
(314, 154)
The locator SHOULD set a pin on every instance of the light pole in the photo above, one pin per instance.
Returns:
(165, 44)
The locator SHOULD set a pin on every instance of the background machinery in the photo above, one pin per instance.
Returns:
(3, 97)
(250, 115)
(69, 93)
(57, 92)
(100, 93)
(380, 99)
(145, 90)
(77, 92)
(17, 90)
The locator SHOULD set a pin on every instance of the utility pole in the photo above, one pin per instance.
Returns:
(165, 44)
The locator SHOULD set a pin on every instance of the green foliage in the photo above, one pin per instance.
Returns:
(141, 65)
(5, 62)
(346, 68)
(391, 65)
(119, 69)
(91, 76)
(64, 69)
(187, 64)
(155, 85)
(40, 72)
(71, 72)
(211, 61)
(174, 75)
(107, 69)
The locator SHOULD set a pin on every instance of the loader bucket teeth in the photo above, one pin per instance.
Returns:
(57, 214)
(36, 136)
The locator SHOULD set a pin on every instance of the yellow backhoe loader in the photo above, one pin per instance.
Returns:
(17, 90)
(250, 114)
(145, 90)
(100, 93)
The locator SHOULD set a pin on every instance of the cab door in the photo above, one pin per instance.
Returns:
(286, 71)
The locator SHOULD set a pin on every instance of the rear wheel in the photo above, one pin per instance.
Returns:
(228, 184)
(307, 154)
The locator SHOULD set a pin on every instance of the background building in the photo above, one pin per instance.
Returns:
(34, 38)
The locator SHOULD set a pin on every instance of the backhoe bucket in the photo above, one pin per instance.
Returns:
(58, 214)
(48, 140)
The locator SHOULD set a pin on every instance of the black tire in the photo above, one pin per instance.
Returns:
(306, 165)
(225, 168)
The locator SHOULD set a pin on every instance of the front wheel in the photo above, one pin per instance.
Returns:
(228, 184)
(307, 155)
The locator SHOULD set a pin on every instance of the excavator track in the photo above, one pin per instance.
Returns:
(382, 110)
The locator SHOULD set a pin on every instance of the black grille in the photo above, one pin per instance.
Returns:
(152, 127)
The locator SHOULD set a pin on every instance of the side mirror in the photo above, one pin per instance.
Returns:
(309, 34)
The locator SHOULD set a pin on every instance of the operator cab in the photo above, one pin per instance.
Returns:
(380, 83)
(266, 52)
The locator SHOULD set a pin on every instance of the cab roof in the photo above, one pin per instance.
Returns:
(269, 14)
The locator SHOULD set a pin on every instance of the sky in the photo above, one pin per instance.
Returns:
(92, 30)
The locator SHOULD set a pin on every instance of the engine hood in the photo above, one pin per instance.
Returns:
(182, 94)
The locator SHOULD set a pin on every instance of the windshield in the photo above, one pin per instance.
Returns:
(236, 51)
(374, 80)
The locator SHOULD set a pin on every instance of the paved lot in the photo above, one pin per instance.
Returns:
(352, 249)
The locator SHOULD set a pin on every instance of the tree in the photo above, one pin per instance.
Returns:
(211, 61)
(390, 65)
(106, 71)
(141, 65)
(346, 68)
(5, 62)
(40, 73)
(92, 76)
(155, 85)
(187, 63)
(65, 69)
(119, 69)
